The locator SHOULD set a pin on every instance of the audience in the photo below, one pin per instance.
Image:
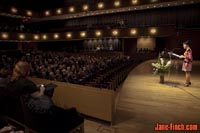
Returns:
(61, 66)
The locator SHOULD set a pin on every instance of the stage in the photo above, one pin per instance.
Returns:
(143, 101)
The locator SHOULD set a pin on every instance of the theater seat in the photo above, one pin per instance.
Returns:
(17, 125)
(45, 123)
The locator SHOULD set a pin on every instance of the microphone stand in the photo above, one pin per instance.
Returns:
(176, 66)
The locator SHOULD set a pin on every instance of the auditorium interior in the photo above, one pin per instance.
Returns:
(103, 56)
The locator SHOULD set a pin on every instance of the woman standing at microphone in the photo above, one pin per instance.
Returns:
(187, 62)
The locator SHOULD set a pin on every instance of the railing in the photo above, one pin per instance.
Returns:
(90, 101)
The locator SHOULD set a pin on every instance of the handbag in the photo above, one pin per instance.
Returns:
(40, 105)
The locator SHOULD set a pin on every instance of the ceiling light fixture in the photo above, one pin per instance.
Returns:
(101, 5)
(117, 3)
(14, 10)
(71, 9)
(58, 11)
(134, 2)
(82, 34)
(4, 35)
(85, 7)
(29, 13)
(47, 13)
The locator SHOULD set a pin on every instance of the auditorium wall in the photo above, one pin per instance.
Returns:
(90, 101)
(146, 43)
(70, 46)
(129, 46)
(8, 45)
(176, 40)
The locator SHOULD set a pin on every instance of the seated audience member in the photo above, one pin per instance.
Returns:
(20, 85)
(53, 119)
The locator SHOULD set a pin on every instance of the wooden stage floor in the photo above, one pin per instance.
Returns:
(143, 101)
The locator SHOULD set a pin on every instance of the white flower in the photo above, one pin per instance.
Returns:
(168, 64)
(162, 61)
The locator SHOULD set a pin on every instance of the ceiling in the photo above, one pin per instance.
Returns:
(32, 4)
(39, 5)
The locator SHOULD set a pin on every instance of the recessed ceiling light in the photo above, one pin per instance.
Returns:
(117, 3)
(134, 2)
(14, 10)
(58, 11)
(100, 5)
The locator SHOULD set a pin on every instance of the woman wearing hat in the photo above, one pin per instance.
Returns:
(187, 62)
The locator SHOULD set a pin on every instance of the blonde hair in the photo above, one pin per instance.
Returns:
(21, 70)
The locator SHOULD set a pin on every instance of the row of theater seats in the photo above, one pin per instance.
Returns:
(111, 78)
(16, 125)
(28, 122)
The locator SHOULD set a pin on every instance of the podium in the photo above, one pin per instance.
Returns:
(175, 65)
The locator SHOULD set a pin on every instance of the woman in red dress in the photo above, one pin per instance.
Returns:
(187, 63)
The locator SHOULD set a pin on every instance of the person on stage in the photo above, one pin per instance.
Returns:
(187, 62)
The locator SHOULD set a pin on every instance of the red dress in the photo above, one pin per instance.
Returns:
(187, 63)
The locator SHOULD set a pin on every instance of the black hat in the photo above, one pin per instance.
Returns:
(188, 42)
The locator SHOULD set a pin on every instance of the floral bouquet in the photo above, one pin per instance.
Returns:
(161, 66)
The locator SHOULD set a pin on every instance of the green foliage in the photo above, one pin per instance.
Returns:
(161, 66)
